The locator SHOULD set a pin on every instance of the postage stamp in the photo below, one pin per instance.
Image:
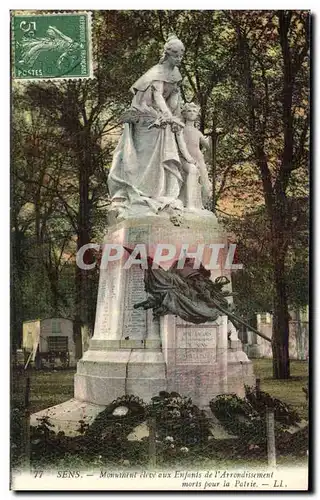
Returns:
(56, 45)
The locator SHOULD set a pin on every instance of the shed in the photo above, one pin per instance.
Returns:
(49, 340)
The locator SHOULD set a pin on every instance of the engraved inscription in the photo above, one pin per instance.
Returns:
(195, 344)
(108, 287)
(134, 320)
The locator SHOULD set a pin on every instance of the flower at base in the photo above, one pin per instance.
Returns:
(184, 449)
(120, 411)
(176, 414)
(169, 438)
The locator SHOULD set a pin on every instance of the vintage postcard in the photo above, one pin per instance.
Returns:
(159, 250)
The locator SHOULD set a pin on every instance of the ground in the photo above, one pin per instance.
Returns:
(50, 388)
(289, 391)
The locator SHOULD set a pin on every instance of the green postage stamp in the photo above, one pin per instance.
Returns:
(53, 45)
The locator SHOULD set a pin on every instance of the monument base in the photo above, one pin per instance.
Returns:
(197, 361)
(103, 376)
(66, 416)
(131, 352)
(240, 372)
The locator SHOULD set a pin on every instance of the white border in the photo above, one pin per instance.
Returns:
(4, 185)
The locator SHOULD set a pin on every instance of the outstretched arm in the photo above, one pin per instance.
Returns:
(205, 142)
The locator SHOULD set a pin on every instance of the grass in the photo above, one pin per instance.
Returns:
(50, 388)
(47, 388)
(289, 391)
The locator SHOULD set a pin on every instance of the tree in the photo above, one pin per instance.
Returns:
(272, 76)
(65, 169)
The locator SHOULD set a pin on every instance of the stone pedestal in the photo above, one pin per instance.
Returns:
(196, 357)
(130, 352)
(102, 376)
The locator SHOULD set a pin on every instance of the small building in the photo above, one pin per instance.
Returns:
(50, 341)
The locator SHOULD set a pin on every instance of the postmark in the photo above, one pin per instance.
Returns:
(51, 46)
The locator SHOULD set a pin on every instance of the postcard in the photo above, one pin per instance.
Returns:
(159, 250)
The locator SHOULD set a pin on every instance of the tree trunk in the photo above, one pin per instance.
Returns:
(54, 287)
(81, 275)
(280, 337)
(213, 161)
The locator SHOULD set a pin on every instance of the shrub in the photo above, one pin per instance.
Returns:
(178, 418)
(239, 418)
(107, 423)
(182, 431)
(261, 400)
(246, 418)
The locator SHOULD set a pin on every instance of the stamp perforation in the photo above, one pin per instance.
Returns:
(31, 14)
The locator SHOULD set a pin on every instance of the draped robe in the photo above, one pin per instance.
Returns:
(146, 166)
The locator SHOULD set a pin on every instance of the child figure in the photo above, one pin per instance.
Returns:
(194, 139)
(197, 188)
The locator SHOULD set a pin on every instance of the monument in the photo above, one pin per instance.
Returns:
(161, 329)
(158, 183)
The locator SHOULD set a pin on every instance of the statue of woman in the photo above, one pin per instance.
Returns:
(146, 168)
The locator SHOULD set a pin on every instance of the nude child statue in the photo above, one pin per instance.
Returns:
(195, 193)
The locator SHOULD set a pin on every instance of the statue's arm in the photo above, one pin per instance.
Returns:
(157, 88)
(205, 142)
(183, 148)
(174, 103)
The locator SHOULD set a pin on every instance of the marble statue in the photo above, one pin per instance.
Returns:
(155, 329)
(196, 189)
(152, 162)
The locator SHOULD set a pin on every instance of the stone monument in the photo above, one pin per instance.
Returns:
(158, 185)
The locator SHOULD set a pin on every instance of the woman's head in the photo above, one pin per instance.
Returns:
(173, 51)
(190, 111)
